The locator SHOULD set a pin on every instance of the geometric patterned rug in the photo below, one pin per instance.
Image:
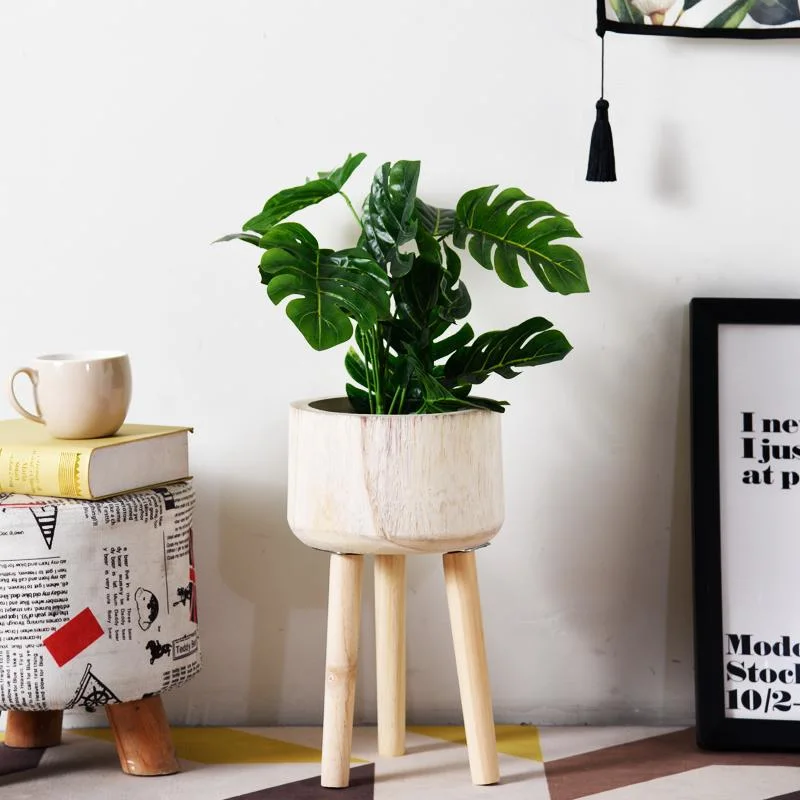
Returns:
(621, 763)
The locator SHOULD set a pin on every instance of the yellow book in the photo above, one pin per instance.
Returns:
(136, 457)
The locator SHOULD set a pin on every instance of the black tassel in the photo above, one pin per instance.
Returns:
(601, 151)
(602, 166)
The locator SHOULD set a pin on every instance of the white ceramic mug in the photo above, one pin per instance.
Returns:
(82, 395)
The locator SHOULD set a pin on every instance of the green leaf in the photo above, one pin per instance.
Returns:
(437, 221)
(452, 263)
(511, 226)
(355, 366)
(445, 347)
(488, 404)
(528, 344)
(358, 398)
(775, 12)
(687, 4)
(340, 175)
(435, 397)
(733, 15)
(454, 300)
(627, 12)
(429, 249)
(388, 216)
(417, 292)
(332, 288)
(250, 238)
(288, 201)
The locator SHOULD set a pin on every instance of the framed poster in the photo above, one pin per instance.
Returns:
(743, 19)
(745, 385)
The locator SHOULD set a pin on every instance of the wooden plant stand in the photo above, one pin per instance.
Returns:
(391, 486)
(141, 733)
(344, 611)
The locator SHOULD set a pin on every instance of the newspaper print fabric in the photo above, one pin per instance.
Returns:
(97, 598)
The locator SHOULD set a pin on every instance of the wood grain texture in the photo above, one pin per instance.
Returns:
(33, 728)
(463, 599)
(143, 738)
(413, 483)
(390, 652)
(341, 662)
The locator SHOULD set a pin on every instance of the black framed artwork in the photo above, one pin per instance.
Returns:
(745, 401)
(743, 19)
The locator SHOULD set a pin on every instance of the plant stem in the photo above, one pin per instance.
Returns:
(376, 366)
(350, 206)
(391, 405)
(362, 343)
(402, 399)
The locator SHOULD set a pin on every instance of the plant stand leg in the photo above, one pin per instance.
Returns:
(390, 648)
(33, 728)
(341, 661)
(461, 581)
(143, 738)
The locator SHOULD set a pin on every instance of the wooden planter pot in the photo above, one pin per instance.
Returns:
(426, 483)
(390, 486)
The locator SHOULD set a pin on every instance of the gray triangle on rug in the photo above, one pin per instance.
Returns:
(17, 759)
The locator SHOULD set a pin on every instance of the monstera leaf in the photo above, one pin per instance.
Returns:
(432, 396)
(528, 344)
(454, 300)
(357, 393)
(513, 226)
(417, 295)
(388, 216)
(333, 288)
(429, 298)
(775, 12)
(436, 221)
(451, 344)
(288, 201)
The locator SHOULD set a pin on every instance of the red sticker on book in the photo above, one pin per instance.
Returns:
(73, 637)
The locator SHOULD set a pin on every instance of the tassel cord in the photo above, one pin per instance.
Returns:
(602, 67)
(602, 166)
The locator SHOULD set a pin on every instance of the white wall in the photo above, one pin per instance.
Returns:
(134, 133)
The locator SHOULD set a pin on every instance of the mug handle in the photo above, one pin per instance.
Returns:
(34, 378)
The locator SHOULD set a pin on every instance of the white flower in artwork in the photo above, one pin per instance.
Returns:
(655, 9)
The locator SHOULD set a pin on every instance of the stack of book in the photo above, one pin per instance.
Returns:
(137, 457)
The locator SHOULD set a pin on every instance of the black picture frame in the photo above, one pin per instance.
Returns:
(716, 728)
(604, 25)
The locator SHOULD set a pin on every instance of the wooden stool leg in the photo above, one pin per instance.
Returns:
(390, 649)
(33, 728)
(143, 738)
(461, 580)
(341, 661)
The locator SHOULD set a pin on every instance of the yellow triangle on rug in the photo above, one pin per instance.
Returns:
(520, 741)
(226, 746)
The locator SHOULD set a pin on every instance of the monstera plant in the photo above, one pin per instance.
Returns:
(398, 293)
